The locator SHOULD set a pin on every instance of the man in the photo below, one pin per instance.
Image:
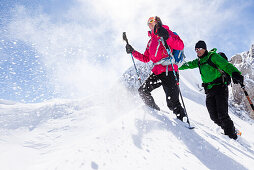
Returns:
(156, 51)
(215, 87)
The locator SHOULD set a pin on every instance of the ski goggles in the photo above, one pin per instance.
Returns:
(151, 20)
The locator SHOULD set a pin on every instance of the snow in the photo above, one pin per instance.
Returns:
(115, 130)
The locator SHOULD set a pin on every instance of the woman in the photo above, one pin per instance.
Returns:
(156, 51)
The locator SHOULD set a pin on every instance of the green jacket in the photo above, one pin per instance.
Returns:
(210, 73)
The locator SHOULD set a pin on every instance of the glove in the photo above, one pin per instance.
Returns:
(237, 78)
(161, 31)
(129, 48)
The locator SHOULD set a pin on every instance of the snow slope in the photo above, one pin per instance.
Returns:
(114, 131)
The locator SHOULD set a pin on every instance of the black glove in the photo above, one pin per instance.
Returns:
(161, 31)
(129, 49)
(237, 78)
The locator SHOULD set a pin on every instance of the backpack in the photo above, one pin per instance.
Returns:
(178, 58)
(225, 77)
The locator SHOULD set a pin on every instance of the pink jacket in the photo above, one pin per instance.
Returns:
(174, 42)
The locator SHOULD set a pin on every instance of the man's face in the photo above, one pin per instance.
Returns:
(200, 51)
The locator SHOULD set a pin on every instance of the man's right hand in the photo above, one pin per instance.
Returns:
(129, 49)
(237, 78)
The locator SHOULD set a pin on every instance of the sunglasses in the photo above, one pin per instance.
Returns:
(198, 49)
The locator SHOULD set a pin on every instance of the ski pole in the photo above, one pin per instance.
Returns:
(164, 43)
(247, 96)
(125, 39)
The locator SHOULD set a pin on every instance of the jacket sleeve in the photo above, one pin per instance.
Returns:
(223, 64)
(189, 65)
(174, 41)
(142, 57)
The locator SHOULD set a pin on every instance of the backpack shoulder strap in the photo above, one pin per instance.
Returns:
(209, 61)
(199, 66)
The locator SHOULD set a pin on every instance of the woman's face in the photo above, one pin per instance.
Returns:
(151, 23)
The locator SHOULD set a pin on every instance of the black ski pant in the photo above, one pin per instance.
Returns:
(217, 106)
(170, 88)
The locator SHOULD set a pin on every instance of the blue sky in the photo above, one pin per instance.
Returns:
(57, 48)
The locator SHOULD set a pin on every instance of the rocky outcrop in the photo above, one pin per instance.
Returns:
(245, 63)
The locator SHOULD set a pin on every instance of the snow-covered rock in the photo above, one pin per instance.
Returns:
(245, 63)
(130, 77)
